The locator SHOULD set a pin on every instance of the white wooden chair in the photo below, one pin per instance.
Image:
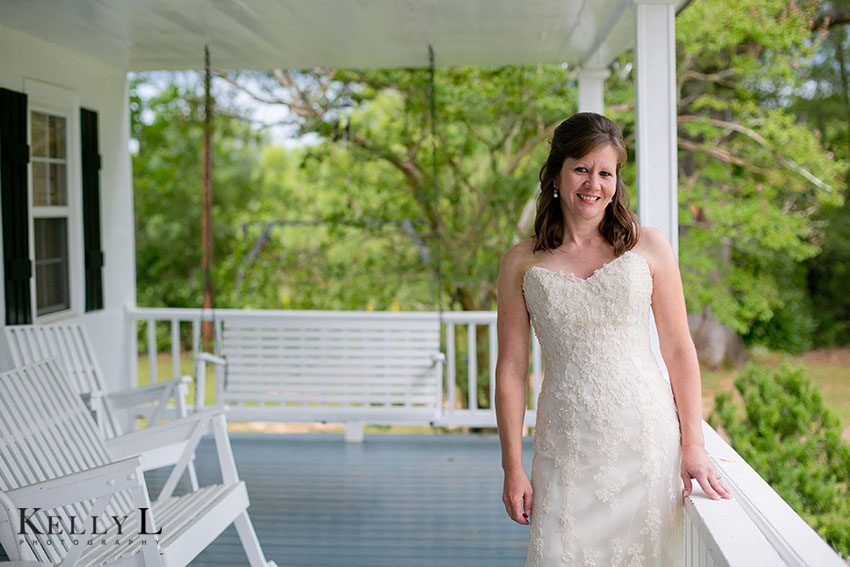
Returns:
(71, 344)
(55, 467)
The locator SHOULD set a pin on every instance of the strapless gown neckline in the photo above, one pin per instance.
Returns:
(596, 272)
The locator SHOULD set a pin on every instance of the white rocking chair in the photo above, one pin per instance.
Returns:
(55, 467)
(70, 343)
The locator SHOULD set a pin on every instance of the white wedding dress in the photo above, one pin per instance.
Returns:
(607, 452)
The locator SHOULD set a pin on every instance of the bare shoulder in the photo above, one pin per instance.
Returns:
(519, 255)
(515, 262)
(655, 247)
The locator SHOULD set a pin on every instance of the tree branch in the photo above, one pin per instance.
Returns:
(722, 155)
(410, 171)
(790, 164)
(837, 16)
(250, 93)
(529, 146)
(721, 77)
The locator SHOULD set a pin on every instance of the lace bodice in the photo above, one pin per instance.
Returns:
(604, 406)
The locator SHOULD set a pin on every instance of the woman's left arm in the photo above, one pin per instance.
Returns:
(680, 357)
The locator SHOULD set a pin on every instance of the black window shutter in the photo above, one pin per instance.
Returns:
(91, 210)
(14, 157)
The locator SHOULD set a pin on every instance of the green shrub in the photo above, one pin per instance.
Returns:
(785, 432)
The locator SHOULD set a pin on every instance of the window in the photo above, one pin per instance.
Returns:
(49, 166)
(50, 204)
(55, 201)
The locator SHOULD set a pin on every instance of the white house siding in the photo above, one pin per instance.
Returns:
(102, 88)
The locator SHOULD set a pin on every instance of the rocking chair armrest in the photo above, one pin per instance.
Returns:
(161, 435)
(82, 485)
(144, 394)
(211, 358)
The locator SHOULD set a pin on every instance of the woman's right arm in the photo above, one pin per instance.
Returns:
(511, 381)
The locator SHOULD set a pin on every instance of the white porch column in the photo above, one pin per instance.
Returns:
(655, 65)
(591, 90)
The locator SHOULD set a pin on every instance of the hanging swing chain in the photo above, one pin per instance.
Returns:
(436, 190)
(207, 190)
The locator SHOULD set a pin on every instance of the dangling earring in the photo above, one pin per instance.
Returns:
(555, 194)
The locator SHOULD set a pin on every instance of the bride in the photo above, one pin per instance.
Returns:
(615, 444)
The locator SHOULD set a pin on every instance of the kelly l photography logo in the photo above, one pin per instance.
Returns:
(89, 530)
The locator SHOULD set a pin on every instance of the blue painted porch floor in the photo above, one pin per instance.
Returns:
(393, 500)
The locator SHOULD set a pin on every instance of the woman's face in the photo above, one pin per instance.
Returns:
(587, 184)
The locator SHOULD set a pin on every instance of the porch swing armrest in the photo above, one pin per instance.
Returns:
(200, 365)
(211, 358)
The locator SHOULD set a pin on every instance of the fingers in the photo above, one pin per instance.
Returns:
(706, 486)
(686, 480)
(718, 486)
(710, 483)
(527, 503)
(515, 510)
(518, 506)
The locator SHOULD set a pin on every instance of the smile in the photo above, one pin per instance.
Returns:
(587, 198)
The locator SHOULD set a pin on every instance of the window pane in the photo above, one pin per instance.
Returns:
(51, 265)
(38, 133)
(57, 137)
(40, 197)
(58, 185)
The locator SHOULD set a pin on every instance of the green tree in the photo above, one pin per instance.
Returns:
(167, 129)
(375, 127)
(752, 178)
(823, 101)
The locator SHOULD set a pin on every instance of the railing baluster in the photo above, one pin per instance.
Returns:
(451, 371)
(472, 357)
(175, 348)
(196, 335)
(152, 351)
(690, 535)
(132, 348)
(493, 352)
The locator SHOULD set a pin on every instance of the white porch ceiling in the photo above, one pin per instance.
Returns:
(144, 35)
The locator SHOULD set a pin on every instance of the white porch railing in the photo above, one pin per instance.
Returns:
(755, 528)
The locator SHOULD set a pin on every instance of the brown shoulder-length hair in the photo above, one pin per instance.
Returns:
(576, 137)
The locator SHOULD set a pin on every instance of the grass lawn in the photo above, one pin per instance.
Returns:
(829, 369)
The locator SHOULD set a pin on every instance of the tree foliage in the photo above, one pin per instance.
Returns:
(491, 128)
(753, 179)
(168, 131)
(823, 102)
